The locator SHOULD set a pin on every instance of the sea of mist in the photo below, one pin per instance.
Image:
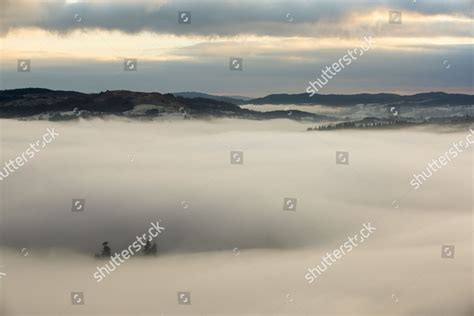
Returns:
(361, 111)
(227, 239)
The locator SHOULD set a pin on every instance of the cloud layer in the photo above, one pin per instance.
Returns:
(80, 45)
(224, 18)
(397, 271)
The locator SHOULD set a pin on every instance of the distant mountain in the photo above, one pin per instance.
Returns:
(229, 99)
(37, 103)
(239, 97)
(421, 99)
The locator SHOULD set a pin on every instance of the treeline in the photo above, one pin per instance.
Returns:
(345, 125)
(380, 123)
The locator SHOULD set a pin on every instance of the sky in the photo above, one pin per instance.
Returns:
(81, 45)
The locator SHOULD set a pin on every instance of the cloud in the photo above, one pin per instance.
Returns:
(222, 18)
(266, 71)
(89, 39)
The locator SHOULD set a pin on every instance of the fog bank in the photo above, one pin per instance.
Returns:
(227, 239)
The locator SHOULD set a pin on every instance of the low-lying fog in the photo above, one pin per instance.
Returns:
(361, 111)
(227, 239)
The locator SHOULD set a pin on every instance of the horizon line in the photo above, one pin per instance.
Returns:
(237, 96)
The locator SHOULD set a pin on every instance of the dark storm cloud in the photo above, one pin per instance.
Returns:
(209, 17)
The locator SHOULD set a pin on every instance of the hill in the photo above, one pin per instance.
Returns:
(62, 105)
(421, 99)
